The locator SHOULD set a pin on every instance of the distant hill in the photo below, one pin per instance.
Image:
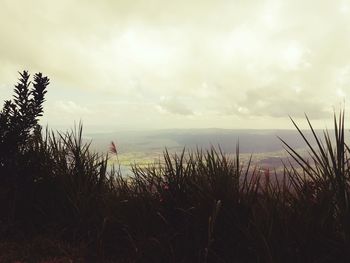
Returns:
(250, 141)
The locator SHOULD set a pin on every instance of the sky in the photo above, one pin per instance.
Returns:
(155, 64)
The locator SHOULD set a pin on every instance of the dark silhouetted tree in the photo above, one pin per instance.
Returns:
(19, 117)
(18, 129)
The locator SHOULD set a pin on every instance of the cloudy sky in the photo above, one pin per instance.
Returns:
(121, 64)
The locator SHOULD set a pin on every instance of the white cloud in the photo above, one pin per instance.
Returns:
(293, 57)
(70, 107)
(174, 106)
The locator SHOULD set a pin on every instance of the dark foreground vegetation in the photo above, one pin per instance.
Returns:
(59, 202)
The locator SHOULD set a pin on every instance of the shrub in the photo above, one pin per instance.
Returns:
(19, 129)
(19, 117)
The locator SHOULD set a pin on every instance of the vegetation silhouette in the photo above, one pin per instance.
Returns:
(59, 201)
(18, 130)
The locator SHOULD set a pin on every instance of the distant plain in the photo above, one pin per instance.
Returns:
(145, 147)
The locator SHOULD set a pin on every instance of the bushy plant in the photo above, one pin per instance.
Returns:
(321, 188)
(19, 117)
(19, 129)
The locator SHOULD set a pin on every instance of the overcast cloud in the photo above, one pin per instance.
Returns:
(180, 64)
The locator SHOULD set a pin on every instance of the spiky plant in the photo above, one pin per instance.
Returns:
(321, 184)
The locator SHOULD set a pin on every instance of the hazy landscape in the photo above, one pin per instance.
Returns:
(147, 147)
(152, 131)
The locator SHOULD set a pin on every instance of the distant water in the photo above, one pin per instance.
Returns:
(124, 169)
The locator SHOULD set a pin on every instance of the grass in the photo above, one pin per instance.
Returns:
(60, 203)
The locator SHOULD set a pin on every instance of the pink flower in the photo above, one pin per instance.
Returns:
(113, 148)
